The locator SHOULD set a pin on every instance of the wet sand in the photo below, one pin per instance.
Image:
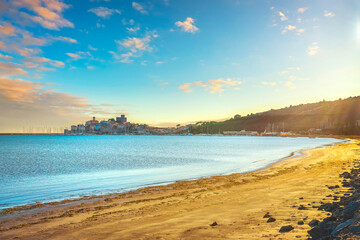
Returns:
(185, 209)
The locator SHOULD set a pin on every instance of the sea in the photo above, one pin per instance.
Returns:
(46, 168)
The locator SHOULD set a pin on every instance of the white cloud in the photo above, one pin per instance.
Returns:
(328, 14)
(282, 16)
(104, 12)
(136, 44)
(92, 48)
(187, 25)
(134, 47)
(290, 85)
(213, 86)
(65, 39)
(268, 83)
(6, 57)
(313, 49)
(299, 31)
(78, 55)
(288, 28)
(139, 7)
(7, 29)
(288, 71)
(37, 63)
(130, 22)
(74, 55)
(47, 13)
(132, 29)
(302, 10)
(10, 69)
(99, 25)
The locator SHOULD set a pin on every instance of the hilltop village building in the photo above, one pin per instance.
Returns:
(117, 126)
(93, 126)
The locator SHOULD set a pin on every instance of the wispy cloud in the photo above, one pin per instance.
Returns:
(132, 29)
(78, 55)
(301, 10)
(134, 47)
(288, 28)
(282, 16)
(104, 12)
(28, 100)
(213, 86)
(10, 69)
(29, 40)
(268, 83)
(313, 49)
(92, 48)
(65, 39)
(21, 50)
(139, 7)
(33, 62)
(187, 25)
(48, 13)
(290, 85)
(328, 14)
(299, 31)
(7, 29)
(6, 57)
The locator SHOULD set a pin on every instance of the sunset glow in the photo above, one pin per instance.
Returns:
(167, 62)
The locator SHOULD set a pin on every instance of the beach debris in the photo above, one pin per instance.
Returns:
(286, 228)
(314, 222)
(271, 219)
(213, 224)
(267, 215)
(300, 222)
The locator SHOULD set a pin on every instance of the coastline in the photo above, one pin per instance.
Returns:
(65, 200)
(185, 209)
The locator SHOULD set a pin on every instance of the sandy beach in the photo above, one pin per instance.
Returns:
(288, 190)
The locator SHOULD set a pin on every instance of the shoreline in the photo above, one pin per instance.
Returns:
(185, 209)
(295, 154)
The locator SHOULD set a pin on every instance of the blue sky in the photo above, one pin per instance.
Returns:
(166, 62)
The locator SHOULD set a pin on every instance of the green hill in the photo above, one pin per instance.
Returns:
(325, 117)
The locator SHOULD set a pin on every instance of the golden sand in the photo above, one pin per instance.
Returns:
(185, 209)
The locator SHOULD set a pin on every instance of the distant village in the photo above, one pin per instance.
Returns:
(120, 126)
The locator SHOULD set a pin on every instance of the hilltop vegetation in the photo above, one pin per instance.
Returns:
(325, 117)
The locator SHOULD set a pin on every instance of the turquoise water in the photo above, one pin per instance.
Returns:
(52, 168)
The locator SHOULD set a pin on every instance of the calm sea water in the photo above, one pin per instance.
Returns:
(52, 168)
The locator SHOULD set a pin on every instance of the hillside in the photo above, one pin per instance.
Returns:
(332, 117)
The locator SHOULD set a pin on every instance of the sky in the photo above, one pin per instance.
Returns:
(165, 62)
